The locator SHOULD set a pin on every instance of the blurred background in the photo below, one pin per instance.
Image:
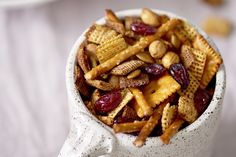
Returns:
(35, 40)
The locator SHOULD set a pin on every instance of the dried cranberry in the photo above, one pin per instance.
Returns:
(142, 29)
(155, 69)
(108, 102)
(180, 74)
(201, 100)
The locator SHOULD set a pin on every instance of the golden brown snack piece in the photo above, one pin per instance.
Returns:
(115, 81)
(159, 90)
(186, 56)
(168, 116)
(129, 127)
(198, 65)
(131, 50)
(213, 60)
(214, 2)
(145, 56)
(80, 82)
(171, 131)
(138, 95)
(157, 49)
(126, 67)
(137, 108)
(95, 96)
(169, 58)
(190, 31)
(91, 49)
(149, 126)
(82, 58)
(134, 74)
(98, 34)
(93, 61)
(192, 87)
(150, 18)
(102, 85)
(112, 21)
(166, 27)
(107, 120)
(167, 43)
(181, 34)
(164, 18)
(91, 107)
(118, 27)
(175, 41)
(111, 16)
(143, 79)
(217, 26)
(186, 108)
(110, 48)
(127, 96)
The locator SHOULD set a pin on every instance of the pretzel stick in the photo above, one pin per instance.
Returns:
(171, 131)
(137, 108)
(149, 126)
(107, 120)
(131, 50)
(138, 95)
(129, 127)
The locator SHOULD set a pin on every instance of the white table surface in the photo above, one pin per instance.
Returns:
(34, 45)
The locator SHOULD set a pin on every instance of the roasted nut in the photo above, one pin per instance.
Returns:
(145, 56)
(157, 49)
(150, 18)
(134, 74)
(175, 41)
(169, 59)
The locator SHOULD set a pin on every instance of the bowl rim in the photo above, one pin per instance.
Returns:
(216, 99)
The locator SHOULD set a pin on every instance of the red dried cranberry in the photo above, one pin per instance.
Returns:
(201, 100)
(108, 102)
(121, 120)
(180, 74)
(142, 29)
(155, 69)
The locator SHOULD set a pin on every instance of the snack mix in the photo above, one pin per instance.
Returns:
(150, 75)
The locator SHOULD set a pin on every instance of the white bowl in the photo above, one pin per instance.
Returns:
(90, 137)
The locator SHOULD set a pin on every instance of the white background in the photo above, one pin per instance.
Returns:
(34, 45)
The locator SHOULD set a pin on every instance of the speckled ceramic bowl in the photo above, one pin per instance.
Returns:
(89, 137)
